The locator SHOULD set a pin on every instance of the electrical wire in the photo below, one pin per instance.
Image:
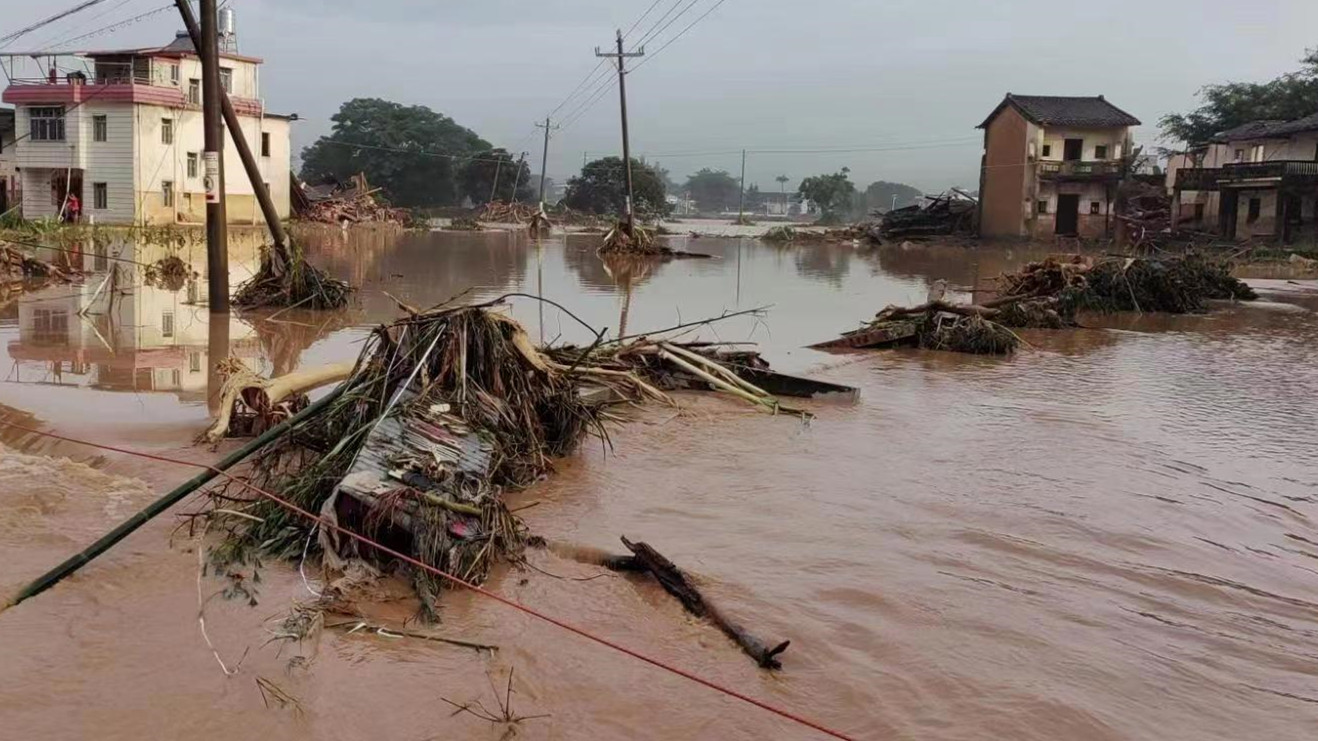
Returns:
(9, 39)
(115, 26)
(77, 28)
(325, 523)
(679, 35)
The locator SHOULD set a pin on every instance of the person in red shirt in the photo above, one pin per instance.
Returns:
(73, 209)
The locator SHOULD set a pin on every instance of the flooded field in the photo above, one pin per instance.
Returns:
(1107, 536)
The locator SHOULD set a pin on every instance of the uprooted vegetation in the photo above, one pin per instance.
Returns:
(1049, 295)
(444, 412)
(285, 278)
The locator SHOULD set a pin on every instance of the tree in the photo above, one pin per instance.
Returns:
(391, 143)
(713, 190)
(831, 193)
(477, 178)
(601, 188)
(1228, 105)
(880, 192)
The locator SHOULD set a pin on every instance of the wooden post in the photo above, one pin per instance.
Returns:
(741, 207)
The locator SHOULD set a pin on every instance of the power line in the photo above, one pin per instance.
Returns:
(6, 40)
(60, 34)
(655, 33)
(680, 34)
(647, 12)
(114, 26)
(649, 34)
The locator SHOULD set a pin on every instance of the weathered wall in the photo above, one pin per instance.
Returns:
(1089, 225)
(1004, 192)
(1266, 223)
(1115, 139)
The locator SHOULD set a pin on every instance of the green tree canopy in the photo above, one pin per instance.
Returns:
(831, 193)
(880, 192)
(713, 190)
(389, 142)
(477, 178)
(601, 188)
(1228, 105)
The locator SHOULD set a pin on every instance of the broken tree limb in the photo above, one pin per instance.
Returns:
(675, 583)
(262, 394)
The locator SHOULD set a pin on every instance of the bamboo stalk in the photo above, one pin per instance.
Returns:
(716, 368)
(769, 403)
(107, 541)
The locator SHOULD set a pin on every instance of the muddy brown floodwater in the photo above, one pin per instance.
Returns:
(1109, 536)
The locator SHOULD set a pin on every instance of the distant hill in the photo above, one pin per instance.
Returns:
(879, 196)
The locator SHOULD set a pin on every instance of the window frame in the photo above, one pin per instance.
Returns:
(1100, 152)
(167, 324)
(175, 74)
(100, 128)
(1047, 150)
(265, 143)
(167, 131)
(167, 193)
(100, 196)
(1095, 208)
(47, 127)
(1041, 207)
(194, 164)
(226, 79)
(194, 91)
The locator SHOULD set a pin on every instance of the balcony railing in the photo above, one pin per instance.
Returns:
(1077, 169)
(1244, 173)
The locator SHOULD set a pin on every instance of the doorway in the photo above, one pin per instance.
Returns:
(1073, 150)
(1228, 212)
(4, 196)
(1068, 214)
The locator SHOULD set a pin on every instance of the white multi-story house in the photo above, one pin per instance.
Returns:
(8, 181)
(122, 130)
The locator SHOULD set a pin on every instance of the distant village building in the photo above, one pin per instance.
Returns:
(1256, 181)
(1051, 165)
(122, 131)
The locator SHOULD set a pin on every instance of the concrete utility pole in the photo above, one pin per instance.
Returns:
(498, 164)
(521, 159)
(622, 56)
(741, 209)
(239, 140)
(217, 235)
(544, 160)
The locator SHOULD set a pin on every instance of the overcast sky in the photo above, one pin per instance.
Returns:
(911, 77)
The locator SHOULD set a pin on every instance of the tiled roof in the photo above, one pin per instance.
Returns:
(1058, 110)
(1269, 129)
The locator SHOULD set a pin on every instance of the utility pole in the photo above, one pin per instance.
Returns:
(518, 180)
(498, 163)
(741, 209)
(622, 56)
(544, 160)
(217, 236)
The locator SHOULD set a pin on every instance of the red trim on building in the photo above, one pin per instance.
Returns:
(66, 94)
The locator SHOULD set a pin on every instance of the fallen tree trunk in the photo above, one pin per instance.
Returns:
(675, 583)
(263, 395)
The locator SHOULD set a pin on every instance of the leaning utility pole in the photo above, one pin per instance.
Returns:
(217, 237)
(517, 181)
(626, 145)
(544, 159)
(741, 209)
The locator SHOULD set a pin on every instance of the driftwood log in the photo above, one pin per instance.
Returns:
(646, 558)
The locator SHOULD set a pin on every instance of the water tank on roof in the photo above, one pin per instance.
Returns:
(228, 22)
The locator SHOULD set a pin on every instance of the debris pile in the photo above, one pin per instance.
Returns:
(1048, 295)
(499, 212)
(16, 266)
(1144, 212)
(345, 203)
(862, 232)
(634, 241)
(952, 212)
(465, 224)
(285, 278)
(168, 273)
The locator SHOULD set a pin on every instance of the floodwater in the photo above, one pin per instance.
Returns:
(1109, 536)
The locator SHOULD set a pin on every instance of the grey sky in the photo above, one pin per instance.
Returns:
(910, 76)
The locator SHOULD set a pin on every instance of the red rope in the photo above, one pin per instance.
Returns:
(427, 567)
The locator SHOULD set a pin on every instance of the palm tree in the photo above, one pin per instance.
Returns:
(782, 186)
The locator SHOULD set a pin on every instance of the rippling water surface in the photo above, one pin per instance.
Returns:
(1108, 536)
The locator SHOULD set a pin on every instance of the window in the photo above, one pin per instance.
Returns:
(1257, 154)
(47, 124)
(1095, 207)
(194, 91)
(1255, 205)
(176, 377)
(167, 192)
(1041, 207)
(173, 74)
(226, 79)
(1047, 150)
(194, 361)
(265, 144)
(1240, 155)
(166, 131)
(192, 164)
(166, 324)
(1100, 152)
(100, 195)
(100, 128)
